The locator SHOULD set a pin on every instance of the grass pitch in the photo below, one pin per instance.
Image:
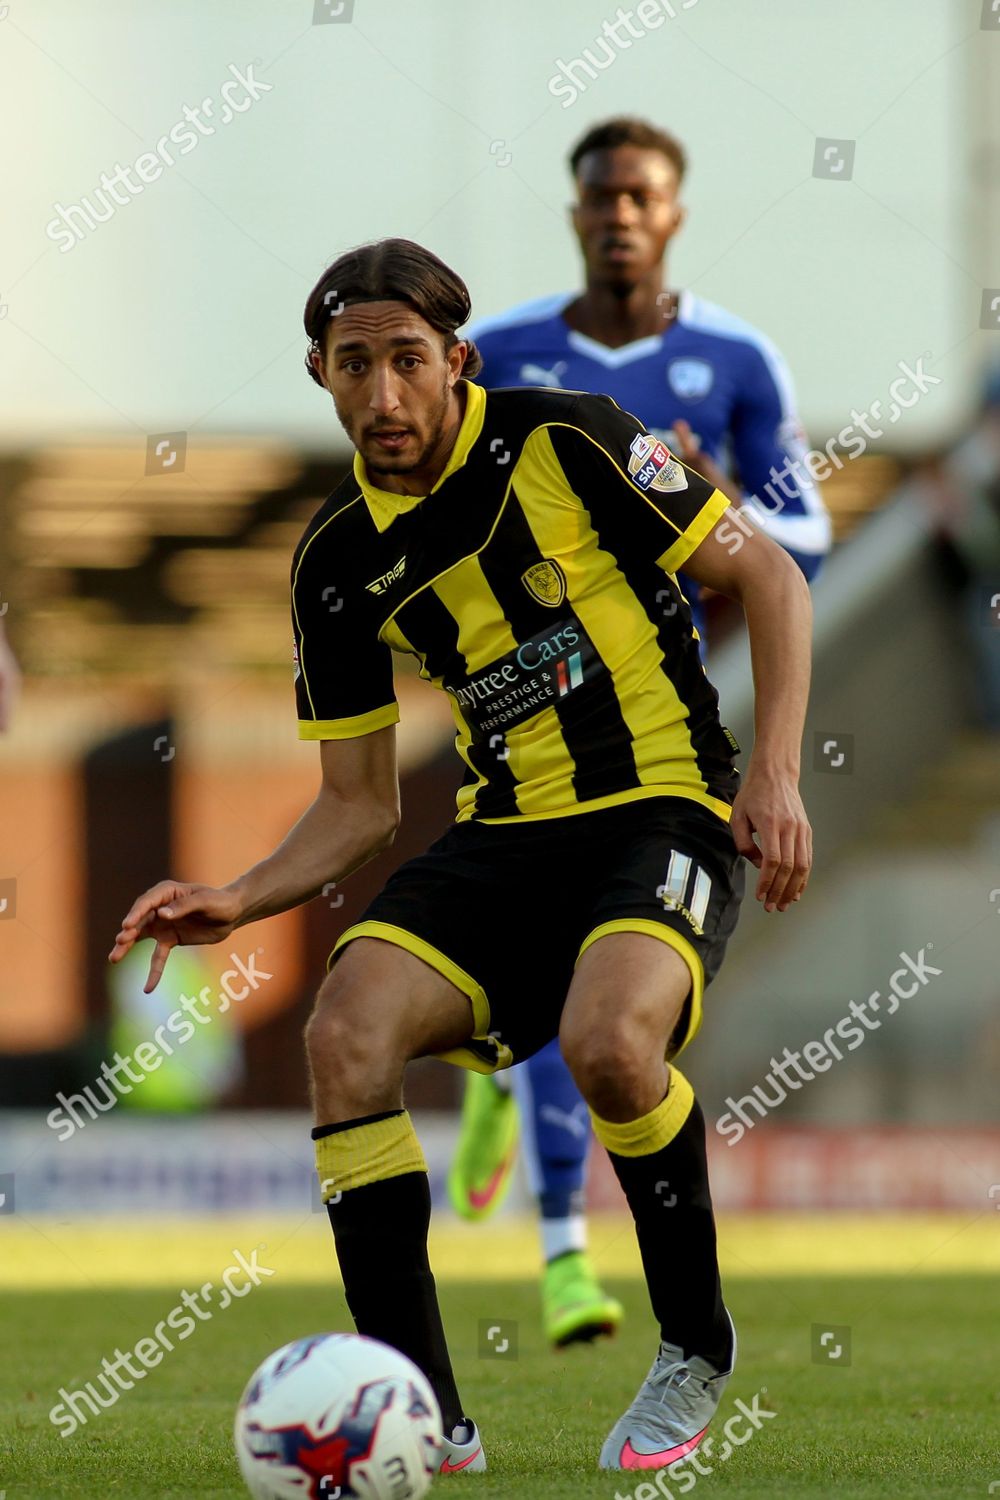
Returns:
(916, 1412)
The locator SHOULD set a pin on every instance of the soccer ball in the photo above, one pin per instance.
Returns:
(338, 1417)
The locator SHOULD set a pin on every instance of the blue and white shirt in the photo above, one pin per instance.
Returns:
(710, 368)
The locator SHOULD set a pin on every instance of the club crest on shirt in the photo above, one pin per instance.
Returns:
(546, 582)
(653, 466)
(295, 661)
(691, 379)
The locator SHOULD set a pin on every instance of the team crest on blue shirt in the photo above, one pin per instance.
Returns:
(546, 582)
(653, 466)
(690, 379)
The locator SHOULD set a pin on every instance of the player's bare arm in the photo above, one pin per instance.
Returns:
(775, 599)
(355, 815)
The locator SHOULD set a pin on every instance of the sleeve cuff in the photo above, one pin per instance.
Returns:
(677, 555)
(349, 729)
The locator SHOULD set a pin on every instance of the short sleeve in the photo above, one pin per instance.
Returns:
(770, 445)
(632, 482)
(343, 672)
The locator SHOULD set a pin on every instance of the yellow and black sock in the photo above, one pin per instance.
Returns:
(661, 1164)
(373, 1179)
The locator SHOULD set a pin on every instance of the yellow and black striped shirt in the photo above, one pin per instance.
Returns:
(535, 585)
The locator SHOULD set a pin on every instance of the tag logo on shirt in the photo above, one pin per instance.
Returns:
(691, 379)
(653, 466)
(546, 582)
(295, 661)
(379, 585)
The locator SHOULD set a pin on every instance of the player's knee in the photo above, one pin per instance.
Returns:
(608, 1063)
(344, 1043)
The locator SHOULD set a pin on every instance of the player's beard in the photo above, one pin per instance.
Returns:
(435, 421)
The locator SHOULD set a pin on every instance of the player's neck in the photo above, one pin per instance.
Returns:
(608, 317)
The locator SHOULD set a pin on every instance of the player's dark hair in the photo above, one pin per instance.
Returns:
(625, 130)
(391, 271)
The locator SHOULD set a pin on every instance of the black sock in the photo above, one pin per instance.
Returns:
(381, 1235)
(668, 1193)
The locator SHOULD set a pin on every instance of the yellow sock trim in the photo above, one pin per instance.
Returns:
(368, 1153)
(653, 1131)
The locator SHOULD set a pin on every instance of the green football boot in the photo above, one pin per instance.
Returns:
(483, 1166)
(574, 1308)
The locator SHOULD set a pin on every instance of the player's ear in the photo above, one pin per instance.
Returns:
(455, 357)
(316, 360)
(680, 217)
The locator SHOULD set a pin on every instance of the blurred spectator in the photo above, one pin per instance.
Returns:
(964, 494)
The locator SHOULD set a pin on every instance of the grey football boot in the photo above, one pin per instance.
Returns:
(671, 1413)
(463, 1451)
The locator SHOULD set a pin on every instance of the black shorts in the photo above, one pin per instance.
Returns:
(504, 910)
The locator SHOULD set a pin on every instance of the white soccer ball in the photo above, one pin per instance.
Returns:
(338, 1417)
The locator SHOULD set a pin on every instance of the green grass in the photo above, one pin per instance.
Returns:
(917, 1413)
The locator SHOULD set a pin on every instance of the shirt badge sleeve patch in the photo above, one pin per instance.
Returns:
(653, 467)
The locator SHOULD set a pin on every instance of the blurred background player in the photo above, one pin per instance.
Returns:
(962, 491)
(720, 395)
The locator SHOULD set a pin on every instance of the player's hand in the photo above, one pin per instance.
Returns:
(770, 806)
(689, 452)
(172, 914)
(10, 682)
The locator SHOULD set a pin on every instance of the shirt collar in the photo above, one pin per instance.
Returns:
(383, 505)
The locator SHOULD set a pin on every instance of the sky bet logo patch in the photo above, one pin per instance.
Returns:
(653, 466)
(537, 674)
